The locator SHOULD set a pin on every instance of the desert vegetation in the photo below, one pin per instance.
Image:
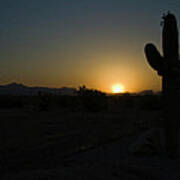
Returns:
(37, 137)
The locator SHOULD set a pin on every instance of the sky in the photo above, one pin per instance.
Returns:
(97, 43)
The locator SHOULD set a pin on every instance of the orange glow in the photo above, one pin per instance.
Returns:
(118, 88)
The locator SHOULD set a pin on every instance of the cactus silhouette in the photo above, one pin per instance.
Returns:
(168, 66)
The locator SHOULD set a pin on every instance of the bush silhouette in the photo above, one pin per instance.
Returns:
(92, 100)
(44, 101)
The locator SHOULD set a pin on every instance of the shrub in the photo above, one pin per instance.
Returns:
(92, 100)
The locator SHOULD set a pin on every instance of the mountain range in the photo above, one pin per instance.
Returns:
(20, 89)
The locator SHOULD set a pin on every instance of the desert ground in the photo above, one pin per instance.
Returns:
(63, 144)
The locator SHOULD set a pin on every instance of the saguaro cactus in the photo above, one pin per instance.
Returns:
(168, 66)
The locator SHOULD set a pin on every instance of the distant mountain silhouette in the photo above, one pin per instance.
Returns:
(20, 89)
(148, 92)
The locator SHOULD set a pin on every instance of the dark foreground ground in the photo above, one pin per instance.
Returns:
(77, 145)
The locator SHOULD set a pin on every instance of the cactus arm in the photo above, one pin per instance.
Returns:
(154, 58)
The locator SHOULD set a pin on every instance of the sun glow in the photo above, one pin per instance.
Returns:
(118, 88)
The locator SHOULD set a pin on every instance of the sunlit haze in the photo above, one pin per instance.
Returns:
(72, 43)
